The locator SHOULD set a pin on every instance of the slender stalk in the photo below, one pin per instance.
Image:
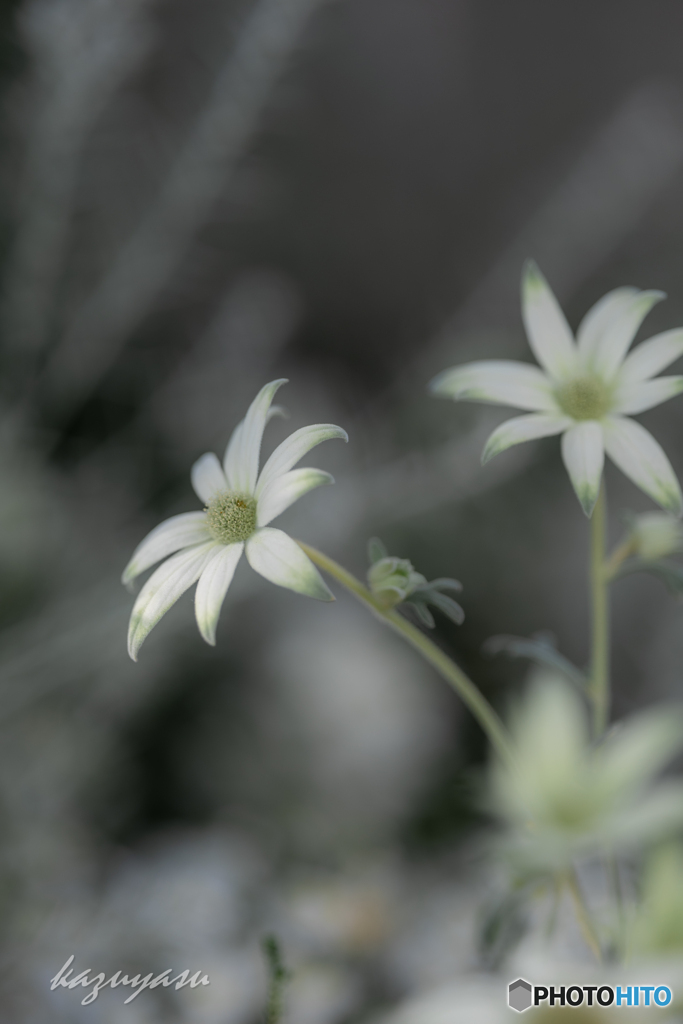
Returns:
(618, 557)
(599, 682)
(583, 916)
(278, 976)
(447, 669)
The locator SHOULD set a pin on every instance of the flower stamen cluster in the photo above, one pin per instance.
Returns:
(231, 517)
(584, 398)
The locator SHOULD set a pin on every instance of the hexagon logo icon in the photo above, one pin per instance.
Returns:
(519, 995)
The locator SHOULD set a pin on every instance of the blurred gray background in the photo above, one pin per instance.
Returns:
(199, 196)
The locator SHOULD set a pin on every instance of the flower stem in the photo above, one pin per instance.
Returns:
(599, 681)
(447, 669)
(583, 914)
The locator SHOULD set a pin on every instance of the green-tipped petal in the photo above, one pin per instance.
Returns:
(641, 458)
(294, 448)
(616, 340)
(630, 399)
(178, 532)
(548, 332)
(500, 381)
(162, 590)
(523, 428)
(284, 490)
(212, 587)
(651, 356)
(242, 454)
(208, 479)
(583, 454)
(278, 558)
(599, 319)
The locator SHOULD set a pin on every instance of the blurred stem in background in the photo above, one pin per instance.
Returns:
(599, 583)
(278, 976)
(447, 669)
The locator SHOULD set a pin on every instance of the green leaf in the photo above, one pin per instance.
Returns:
(376, 550)
(670, 573)
(538, 648)
(503, 925)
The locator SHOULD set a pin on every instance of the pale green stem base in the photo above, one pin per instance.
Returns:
(599, 677)
(447, 669)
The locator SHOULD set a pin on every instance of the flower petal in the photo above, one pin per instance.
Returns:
(651, 356)
(212, 587)
(584, 456)
(497, 380)
(642, 459)
(633, 398)
(208, 479)
(598, 319)
(162, 590)
(548, 332)
(294, 448)
(276, 556)
(173, 534)
(284, 490)
(242, 454)
(616, 339)
(523, 428)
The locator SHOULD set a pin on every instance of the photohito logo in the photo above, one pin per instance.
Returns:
(522, 995)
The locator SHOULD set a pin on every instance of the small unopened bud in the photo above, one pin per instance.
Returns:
(394, 579)
(655, 535)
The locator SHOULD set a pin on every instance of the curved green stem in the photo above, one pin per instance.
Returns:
(599, 680)
(447, 669)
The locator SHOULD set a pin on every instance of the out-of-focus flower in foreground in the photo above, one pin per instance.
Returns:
(567, 797)
(585, 389)
(657, 926)
(240, 503)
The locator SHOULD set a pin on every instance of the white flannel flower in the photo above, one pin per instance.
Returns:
(240, 503)
(585, 389)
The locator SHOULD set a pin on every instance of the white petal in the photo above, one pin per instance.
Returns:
(523, 428)
(651, 356)
(598, 319)
(242, 454)
(162, 590)
(634, 398)
(641, 458)
(548, 332)
(208, 478)
(175, 533)
(280, 559)
(584, 456)
(294, 448)
(498, 380)
(212, 587)
(616, 339)
(284, 490)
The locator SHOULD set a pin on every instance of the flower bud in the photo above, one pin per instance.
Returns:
(655, 535)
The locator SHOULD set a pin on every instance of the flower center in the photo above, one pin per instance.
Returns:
(584, 398)
(231, 517)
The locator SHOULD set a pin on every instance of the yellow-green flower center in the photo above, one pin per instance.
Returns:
(231, 517)
(584, 398)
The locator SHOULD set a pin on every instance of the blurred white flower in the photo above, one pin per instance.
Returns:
(657, 926)
(240, 502)
(585, 389)
(655, 535)
(566, 796)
